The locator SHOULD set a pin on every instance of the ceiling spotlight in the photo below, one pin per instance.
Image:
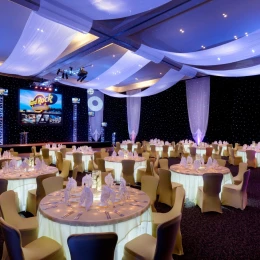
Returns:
(114, 55)
(36, 87)
(63, 75)
(218, 58)
(203, 47)
(55, 89)
(235, 37)
(160, 73)
(136, 78)
(58, 71)
(66, 74)
(182, 31)
(253, 50)
(246, 34)
(50, 89)
(224, 15)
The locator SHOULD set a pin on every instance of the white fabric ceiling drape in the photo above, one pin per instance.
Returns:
(133, 113)
(198, 94)
(41, 42)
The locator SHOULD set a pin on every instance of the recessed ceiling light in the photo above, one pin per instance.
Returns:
(140, 65)
(114, 55)
(224, 15)
(181, 30)
(136, 78)
(160, 73)
(203, 47)
(235, 37)
(218, 58)
(253, 50)
(246, 34)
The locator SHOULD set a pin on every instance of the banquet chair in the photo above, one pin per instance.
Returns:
(217, 155)
(52, 184)
(233, 159)
(36, 195)
(173, 144)
(193, 153)
(59, 160)
(68, 150)
(144, 171)
(165, 151)
(139, 149)
(156, 164)
(63, 151)
(236, 147)
(236, 195)
(101, 178)
(165, 187)
(39, 248)
(208, 153)
(221, 162)
(3, 185)
(128, 171)
(175, 152)
(129, 147)
(3, 162)
(164, 164)
(27, 226)
(149, 185)
(35, 154)
(103, 153)
(93, 246)
(77, 159)
(208, 194)
(215, 148)
(65, 171)
(102, 168)
(96, 156)
(147, 247)
(159, 218)
(251, 160)
(146, 155)
(117, 147)
(153, 152)
(226, 152)
(14, 154)
(46, 157)
(242, 168)
(75, 173)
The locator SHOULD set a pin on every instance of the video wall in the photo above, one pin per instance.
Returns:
(40, 108)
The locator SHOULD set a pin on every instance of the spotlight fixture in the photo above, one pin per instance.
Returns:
(58, 71)
(63, 75)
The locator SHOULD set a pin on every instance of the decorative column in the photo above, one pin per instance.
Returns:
(1, 119)
(75, 122)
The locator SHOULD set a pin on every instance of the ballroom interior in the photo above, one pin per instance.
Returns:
(129, 129)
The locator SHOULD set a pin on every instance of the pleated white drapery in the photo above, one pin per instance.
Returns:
(198, 94)
(41, 43)
(133, 113)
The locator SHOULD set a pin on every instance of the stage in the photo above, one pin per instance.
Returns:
(26, 148)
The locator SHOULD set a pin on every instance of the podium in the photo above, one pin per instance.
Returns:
(23, 137)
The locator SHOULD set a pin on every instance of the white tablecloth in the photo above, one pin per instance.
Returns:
(86, 158)
(191, 180)
(136, 220)
(22, 182)
(115, 163)
(124, 146)
(242, 153)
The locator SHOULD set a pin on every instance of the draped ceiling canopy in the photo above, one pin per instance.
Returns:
(129, 44)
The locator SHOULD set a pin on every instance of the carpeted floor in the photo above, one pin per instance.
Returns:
(235, 234)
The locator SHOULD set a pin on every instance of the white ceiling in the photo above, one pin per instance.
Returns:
(202, 21)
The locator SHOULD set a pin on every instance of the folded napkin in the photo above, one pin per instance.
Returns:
(194, 145)
(67, 195)
(215, 142)
(130, 154)
(114, 154)
(109, 180)
(215, 163)
(209, 162)
(183, 162)
(189, 160)
(120, 153)
(122, 188)
(24, 165)
(86, 198)
(13, 164)
(71, 183)
(105, 194)
(135, 154)
(167, 143)
(87, 181)
(219, 142)
(196, 164)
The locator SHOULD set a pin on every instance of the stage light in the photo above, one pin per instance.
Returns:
(40, 87)
(58, 71)
(45, 88)
(66, 74)
(63, 75)
(36, 87)
(50, 89)
(55, 89)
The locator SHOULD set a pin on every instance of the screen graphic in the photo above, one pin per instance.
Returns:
(40, 108)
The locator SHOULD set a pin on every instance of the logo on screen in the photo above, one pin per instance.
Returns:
(41, 103)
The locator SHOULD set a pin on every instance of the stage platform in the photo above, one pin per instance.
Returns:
(26, 148)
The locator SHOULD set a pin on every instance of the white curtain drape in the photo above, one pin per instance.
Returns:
(41, 42)
(133, 113)
(198, 94)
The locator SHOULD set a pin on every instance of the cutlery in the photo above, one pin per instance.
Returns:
(117, 212)
(78, 215)
(144, 201)
(135, 205)
(67, 214)
(50, 207)
(108, 215)
(48, 203)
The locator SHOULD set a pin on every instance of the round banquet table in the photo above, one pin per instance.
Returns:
(52, 152)
(136, 219)
(192, 179)
(159, 148)
(116, 164)
(124, 146)
(21, 182)
(18, 159)
(242, 153)
(86, 158)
